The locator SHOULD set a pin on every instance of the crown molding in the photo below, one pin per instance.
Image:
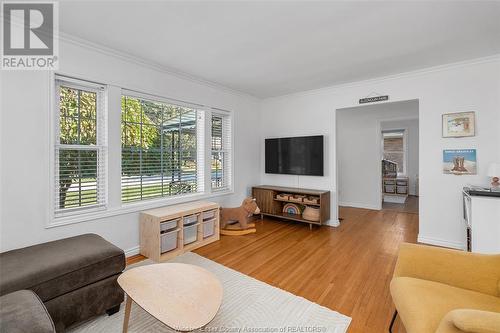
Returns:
(332, 88)
(409, 74)
(84, 43)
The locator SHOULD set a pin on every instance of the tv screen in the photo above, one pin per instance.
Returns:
(295, 156)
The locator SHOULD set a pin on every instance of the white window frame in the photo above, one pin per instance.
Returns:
(115, 207)
(405, 147)
(101, 147)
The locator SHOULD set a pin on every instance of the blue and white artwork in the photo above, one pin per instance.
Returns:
(459, 161)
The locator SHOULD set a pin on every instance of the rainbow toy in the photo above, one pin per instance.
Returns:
(291, 208)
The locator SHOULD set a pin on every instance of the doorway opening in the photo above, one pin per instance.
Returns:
(377, 156)
(399, 146)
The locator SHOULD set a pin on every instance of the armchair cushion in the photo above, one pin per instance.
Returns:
(471, 321)
(422, 304)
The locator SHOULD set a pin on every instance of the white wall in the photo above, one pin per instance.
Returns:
(359, 150)
(25, 151)
(411, 127)
(469, 86)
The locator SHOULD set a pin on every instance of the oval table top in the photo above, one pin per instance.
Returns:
(183, 297)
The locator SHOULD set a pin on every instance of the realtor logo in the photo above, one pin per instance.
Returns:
(29, 35)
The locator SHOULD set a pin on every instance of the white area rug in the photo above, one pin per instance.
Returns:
(248, 305)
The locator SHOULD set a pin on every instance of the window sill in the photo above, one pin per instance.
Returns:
(131, 208)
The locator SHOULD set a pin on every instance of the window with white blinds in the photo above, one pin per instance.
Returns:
(161, 152)
(220, 151)
(80, 146)
(394, 147)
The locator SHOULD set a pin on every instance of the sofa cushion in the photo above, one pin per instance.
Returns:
(22, 311)
(55, 268)
(422, 304)
(84, 303)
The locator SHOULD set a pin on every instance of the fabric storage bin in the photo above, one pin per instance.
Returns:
(190, 219)
(208, 228)
(389, 188)
(402, 189)
(402, 182)
(209, 214)
(168, 225)
(169, 241)
(190, 233)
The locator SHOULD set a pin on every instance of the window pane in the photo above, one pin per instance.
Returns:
(88, 104)
(216, 133)
(394, 149)
(393, 144)
(150, 137)
(88, 131)
(131, 170)
(217, 169)
(68, 101)
(68, 130)
(187, 138)
(79, 168)
(131, 109)
(152, 113)
(77, 178)
(397, 157)
(159, 150)
(220, 162)
(131, 134)
(77, 117)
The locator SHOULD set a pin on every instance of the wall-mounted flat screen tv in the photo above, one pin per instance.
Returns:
(295, 156)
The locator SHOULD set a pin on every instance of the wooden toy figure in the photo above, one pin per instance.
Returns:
(235, 221)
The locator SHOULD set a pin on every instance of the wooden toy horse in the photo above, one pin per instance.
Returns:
(234, 221)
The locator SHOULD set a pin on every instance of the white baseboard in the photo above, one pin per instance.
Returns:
(132, 251)
(359, 205)
(441, 242)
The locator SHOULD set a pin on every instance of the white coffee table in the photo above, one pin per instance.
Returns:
(183, 297)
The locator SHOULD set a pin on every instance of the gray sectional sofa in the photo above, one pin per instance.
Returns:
(75, 278)
(22, 311)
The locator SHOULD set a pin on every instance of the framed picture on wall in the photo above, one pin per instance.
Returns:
(456, 125)
(459, 161)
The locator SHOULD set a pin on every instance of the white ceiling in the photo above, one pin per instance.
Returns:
(274, 48)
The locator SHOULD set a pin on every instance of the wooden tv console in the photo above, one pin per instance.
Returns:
(270, 205)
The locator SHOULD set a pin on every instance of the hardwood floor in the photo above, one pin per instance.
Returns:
(134, 259)
(410, 206)
(347, 269)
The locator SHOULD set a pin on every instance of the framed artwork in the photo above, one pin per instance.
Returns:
(456, 125)
(459, 161)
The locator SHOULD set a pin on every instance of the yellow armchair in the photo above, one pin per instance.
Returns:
(438, 290)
